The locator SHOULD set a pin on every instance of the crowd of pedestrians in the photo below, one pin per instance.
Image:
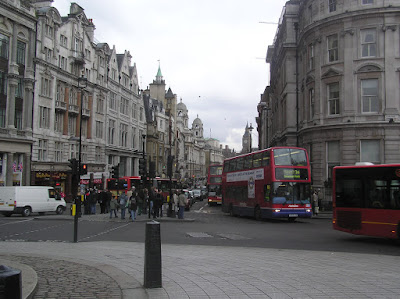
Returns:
(132, 203)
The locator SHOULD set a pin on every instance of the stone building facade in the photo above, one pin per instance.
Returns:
(112, 107)
(334, 85)
(17, 52)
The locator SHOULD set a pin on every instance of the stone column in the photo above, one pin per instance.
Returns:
(26, 174)
(28, 105)
(10, 110)
(9, 171)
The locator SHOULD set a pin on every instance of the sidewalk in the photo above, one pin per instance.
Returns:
(116, 270)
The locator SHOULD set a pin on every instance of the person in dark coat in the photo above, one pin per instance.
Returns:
(108, 200)
(103, 201)
(86, 203)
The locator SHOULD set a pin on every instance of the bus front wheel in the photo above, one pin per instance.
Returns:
(257, 213)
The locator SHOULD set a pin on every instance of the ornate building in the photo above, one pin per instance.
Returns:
(17, 51)
(334, 85)
(109, 107)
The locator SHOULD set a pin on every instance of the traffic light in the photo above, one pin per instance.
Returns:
(170, 161)
(83, 169)
(152, 169)
(115, 171)
(142, 167)
(73, 164)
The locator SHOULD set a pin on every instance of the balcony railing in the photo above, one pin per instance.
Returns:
(73, 109)
(85, 112)
(78, 57)
(61, 106)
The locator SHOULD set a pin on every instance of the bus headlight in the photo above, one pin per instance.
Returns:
(277, 210)
(308, 210)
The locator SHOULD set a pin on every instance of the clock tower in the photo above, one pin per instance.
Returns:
(246, 140)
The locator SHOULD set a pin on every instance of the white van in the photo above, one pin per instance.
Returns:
(30, 199)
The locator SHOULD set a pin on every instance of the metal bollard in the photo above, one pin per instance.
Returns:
(10, 283)
(152, 256)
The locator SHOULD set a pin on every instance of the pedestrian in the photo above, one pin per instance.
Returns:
(86, 203)
(175, 203)
(182, 204)
(92, 201)
(140, 199)
(132, 203)
(157, 204)
(123, 200)
(108, 200)
(113, 206)
(102, 201)
(146, 202)
(315, 203)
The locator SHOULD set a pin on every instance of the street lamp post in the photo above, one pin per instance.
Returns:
(251, 138)
(82, 83)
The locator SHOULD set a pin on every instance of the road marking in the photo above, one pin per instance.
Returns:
(233, 237)
(17, 221)
(199, 235)
(105, 232)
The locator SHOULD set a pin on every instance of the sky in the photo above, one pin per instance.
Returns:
(211, 53)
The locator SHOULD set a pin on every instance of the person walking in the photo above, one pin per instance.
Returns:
(175, 203)
(132, 203)
(113, 207)
(181, 204)
(140, 199)
(315, 203)
(108, 200)
(123, 199)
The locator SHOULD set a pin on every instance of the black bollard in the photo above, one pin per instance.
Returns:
(152, 256)
(10, 283)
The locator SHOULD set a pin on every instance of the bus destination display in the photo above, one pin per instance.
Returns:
(291, 174)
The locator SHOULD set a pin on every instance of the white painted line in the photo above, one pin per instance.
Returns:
(14, 222)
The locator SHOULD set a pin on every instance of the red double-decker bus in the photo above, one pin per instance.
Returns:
(366, 200)
(271, 183)
(214, 182)
(126, 183)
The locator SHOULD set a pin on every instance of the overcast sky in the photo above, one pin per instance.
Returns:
(211, 52)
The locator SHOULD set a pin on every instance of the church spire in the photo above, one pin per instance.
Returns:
(159, 76)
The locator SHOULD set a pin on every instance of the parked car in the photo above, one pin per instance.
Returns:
(197, 195)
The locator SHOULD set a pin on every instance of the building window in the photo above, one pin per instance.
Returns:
(99, 156)
(73, 151)
(63, 41)
(141, 114)
(114, 74)
(60, 92)
(20, 88)
(124, 106)
(333, 98)
(333, 156)
(46, 87)
(21, 52)
(58, 153)
(123, 135)
(368, 43)
(84, 153)
(18, 113)
(332, 5)
(73, 99)
(62, 62)
(58, 122)
(48, 54)
(111, 131)
(4, 45)
(42, 150)
(2, 116)
(113, 101)
(369, 94)
(44, 117)
(3, 83)
(71, 126)
(87, 54)
(134, 111)
(84, 127)
(48, 31)
(100, 104)
(99, 129)
(333, 48)
(312, 102)
(310, 56)
(370, 151)
(367, 1)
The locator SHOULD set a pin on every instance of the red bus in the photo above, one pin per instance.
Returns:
(271, 183)
(366, 200)
(214, 182)
(126, 183)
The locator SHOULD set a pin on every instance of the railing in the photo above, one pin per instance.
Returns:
(85, 112)
(73, 108)
(61, 105)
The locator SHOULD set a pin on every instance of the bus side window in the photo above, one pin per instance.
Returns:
(267, 191)
(266, 158)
